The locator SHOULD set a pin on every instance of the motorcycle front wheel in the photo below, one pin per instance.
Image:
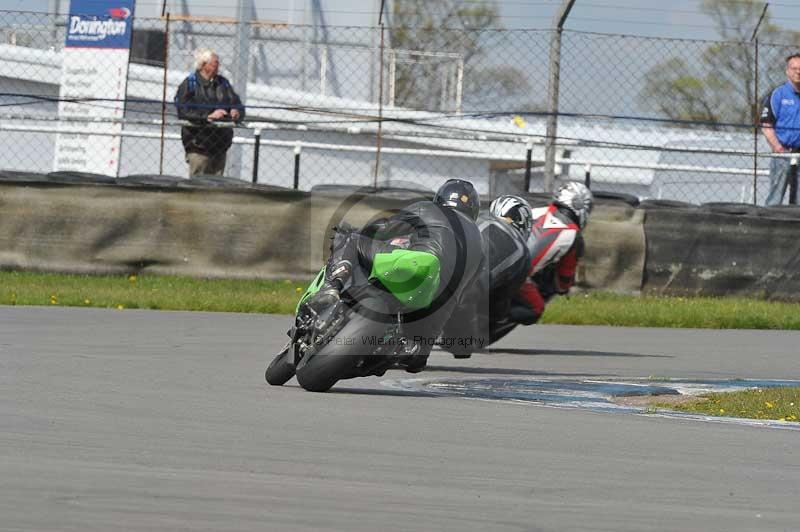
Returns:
(339, 358)
(280, 370)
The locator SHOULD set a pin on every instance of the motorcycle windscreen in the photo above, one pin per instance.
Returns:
(313, 288)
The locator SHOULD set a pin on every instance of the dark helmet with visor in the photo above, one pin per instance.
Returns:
(459, 195)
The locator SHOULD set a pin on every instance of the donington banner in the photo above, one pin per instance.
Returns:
(94, 76)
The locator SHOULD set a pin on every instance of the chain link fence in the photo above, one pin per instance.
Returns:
(653, 118)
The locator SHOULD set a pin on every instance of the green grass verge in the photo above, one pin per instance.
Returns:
(225, 295)
(149, 292)
(680, 312)
(762, 403)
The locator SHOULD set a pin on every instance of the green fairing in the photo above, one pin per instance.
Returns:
(312, 289)
(411, 276)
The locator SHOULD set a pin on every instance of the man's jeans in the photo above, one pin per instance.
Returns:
(200, 165)
(779, 169)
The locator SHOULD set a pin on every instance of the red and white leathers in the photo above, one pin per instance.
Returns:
(553, 245)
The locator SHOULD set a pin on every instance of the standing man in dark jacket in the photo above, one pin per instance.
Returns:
(205, 97)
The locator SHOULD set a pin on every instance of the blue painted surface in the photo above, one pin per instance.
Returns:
(546, 390)
(595, 394)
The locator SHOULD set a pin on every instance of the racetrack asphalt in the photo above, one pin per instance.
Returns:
(145, 420)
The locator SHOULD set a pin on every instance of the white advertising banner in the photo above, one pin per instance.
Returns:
(94, 77)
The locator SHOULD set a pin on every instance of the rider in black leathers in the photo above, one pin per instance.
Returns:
(490, 304)
(445, 228)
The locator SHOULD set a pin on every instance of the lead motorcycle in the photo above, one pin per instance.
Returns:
(355, 328)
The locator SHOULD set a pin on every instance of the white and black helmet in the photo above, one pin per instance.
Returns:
(578, 198)
(515, 209)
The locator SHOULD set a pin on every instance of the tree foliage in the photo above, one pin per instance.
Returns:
(719, 87)
(422, 81)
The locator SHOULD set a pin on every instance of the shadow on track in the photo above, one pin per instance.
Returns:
(570, 353)
(386, 392)
(339, 389)
(506, 371)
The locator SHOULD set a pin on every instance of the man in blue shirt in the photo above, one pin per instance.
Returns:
(780, 124)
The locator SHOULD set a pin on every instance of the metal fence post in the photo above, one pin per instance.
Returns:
(756, 113)
(552, 96)
(793, 181)
(323, 69)
(528, 158)
(755, 128)
(256, 150)
(588, 175)
(379, 137)
(164, 96)
(297, 150)
(241, 70)
(459, 86)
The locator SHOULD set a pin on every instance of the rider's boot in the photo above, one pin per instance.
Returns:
(418, 360)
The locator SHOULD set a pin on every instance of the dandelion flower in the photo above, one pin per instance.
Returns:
(120, 307)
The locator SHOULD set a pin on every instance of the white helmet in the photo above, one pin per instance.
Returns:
(515, 209)
(576, 197)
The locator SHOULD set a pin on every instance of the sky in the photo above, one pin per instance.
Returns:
(674, 19)
(680, 19)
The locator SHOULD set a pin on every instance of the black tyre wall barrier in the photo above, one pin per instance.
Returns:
(698, 252)
(202, 227)
(732, 208)
(665, 204)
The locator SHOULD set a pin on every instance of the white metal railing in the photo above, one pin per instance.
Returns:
(11, 123)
